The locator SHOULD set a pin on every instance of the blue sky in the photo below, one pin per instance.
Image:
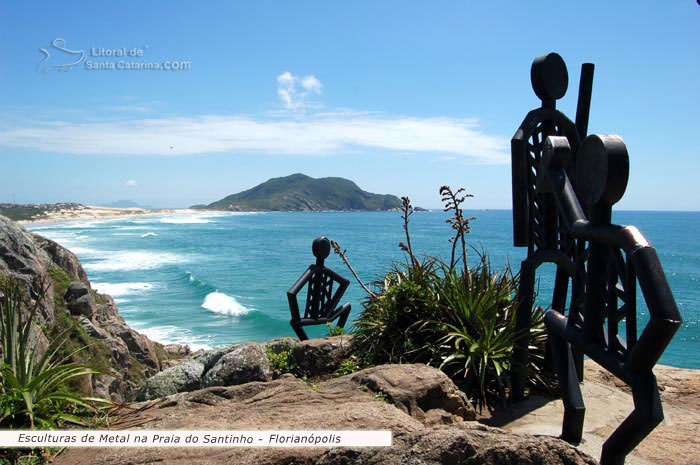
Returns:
(401, 97)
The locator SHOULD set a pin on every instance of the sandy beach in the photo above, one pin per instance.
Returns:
(102, 213)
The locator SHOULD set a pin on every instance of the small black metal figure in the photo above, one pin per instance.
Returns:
(321, 301)
(564, 187)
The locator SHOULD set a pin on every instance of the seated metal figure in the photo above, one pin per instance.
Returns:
(321, 302)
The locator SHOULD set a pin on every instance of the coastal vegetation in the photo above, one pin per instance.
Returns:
(298, 192)
(35, 211)
(35, 388)
(449, 315)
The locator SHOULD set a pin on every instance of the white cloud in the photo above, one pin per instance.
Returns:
(295, 90)
(311, 84)
(130, 183)
(146, 107)
(321, 134)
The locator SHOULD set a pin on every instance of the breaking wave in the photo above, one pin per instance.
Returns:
(218, 302)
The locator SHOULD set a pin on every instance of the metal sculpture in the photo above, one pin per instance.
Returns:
(321, 301)
(563, 193)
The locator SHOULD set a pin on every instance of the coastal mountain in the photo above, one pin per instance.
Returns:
(299, 192)
(125, 204)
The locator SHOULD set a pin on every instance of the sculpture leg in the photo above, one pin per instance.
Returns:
(574, 408)
(299, 329)
(647, 414)
(344, 314)
(523, 321)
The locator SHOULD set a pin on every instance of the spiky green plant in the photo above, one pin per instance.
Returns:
(388, 329)
(458, 318)
(32, 388)
(478, 322)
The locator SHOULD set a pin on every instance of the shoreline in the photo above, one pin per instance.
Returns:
(104, 213)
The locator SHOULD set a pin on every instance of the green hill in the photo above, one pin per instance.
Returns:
(299, 192)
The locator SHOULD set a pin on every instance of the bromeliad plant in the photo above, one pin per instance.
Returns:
(32, 388)
(449, 315)
(478, 320)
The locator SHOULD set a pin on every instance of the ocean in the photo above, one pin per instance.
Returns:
(215, 279)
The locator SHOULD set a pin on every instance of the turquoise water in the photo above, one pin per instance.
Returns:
(216, 279)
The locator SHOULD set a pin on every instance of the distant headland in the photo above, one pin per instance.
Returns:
(299, 192)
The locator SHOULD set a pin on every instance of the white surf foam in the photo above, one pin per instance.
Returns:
(137, 260)
(80, 225)
(83, 252)
(186, 220)
(173, 335)
(218, 302)
(122, 289)
(149, 234)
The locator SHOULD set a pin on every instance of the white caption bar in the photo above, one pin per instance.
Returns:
(139, 438)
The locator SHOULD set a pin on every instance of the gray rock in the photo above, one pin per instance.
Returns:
(209, 357)
(139, 346)
(92, 330)
(23, 260)
(35, 262)
(178, 350)
(289, 403)
(247, 362)
(317, 357)
(417, 389)
(281, 344)
(75, 290)
(467, 443)
(109, 387)
(62, 258)
(83, 305)
(183, 377)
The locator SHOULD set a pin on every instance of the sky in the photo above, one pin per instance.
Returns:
(400, 97)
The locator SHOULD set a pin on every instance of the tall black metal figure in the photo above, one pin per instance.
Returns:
(321, 301)
(563, 193)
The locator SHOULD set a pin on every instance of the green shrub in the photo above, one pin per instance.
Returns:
(389, 328)
(33, 387)
(477, 320)
(334, 330)
(348, 366)
(451, 316)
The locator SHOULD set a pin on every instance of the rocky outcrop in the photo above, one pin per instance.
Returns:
(184, 377)
(246, 363)
(289, 403)
(468, 444)
(243, 363)
(317, 357)
(67, 301)
(417, 389)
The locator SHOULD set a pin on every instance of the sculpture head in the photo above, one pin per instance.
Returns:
(549, 77)
(321, 248)
(602, 170)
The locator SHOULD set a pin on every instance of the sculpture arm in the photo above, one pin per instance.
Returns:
(342, 287)
(294, 290)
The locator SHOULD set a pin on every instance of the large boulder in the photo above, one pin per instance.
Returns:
(289, 403)
(183, 377)
(417, 389)
(317, 357)
(80, 304)
(245, 363)
(208, 358)
(24, 260)
(467, 443)
(281, 344)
